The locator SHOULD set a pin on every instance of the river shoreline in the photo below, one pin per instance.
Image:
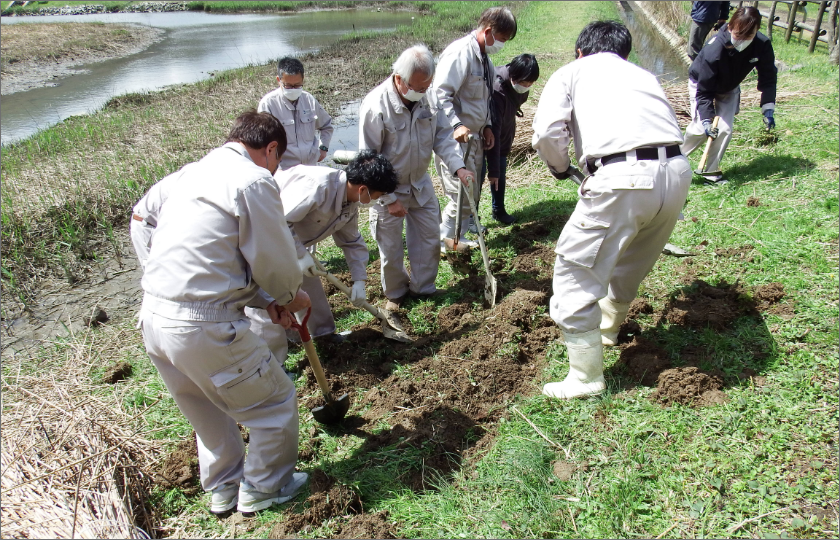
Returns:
(43, 71)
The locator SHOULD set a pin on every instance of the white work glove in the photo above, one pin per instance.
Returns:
(308, 267)
(358, 296)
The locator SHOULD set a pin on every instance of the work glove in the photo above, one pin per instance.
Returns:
(769, 122)
(357, 295)
(308, 267)
(710, 131)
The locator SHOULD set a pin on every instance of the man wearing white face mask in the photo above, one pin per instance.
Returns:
(308, 126)
(396, 120)
(714, 85)
(321, 202)
(462, 88)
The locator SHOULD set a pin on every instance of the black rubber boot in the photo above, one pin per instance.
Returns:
(498, 197)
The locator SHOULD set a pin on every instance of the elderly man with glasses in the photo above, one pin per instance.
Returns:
(308, 126)
(397, 120)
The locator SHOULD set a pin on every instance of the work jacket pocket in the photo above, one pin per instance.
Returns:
(391, 145)
(581, 239)
(425, 129)
(247, 383)
(473, 86)
(306, 128)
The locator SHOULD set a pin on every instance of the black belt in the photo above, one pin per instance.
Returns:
(642, 154)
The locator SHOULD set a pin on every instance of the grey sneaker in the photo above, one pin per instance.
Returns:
(474, 229)
(251, 500)
(224, 498)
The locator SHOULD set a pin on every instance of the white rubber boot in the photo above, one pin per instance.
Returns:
(586, 367)
(612, 315)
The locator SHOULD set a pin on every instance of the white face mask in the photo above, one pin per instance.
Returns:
(292, 93)
(521, 89)
(370, 201)
(495, 47)
(741, 44)
(412, 95)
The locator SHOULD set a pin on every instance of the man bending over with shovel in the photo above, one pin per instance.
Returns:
(397, 120)
(221, 244)
(321, 202)
(626, 136)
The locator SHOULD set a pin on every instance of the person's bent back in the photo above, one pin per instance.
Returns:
(223, 237)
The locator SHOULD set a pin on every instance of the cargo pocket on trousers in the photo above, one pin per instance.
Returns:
(247, 383)
(581, 240)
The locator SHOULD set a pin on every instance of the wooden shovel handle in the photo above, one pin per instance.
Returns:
(702, 166)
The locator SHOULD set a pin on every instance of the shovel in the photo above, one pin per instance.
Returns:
(390, 329)
(455, 247)
(701, 168)
(333, 411)
(490, 286)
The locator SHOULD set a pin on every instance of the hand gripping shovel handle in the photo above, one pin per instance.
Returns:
(702, 166)
(373, 310)
(311, 354)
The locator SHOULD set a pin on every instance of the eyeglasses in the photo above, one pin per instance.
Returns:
(292, 86)
(423, 91)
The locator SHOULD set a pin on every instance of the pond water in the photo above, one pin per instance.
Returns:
(195, 45)
(653, 52)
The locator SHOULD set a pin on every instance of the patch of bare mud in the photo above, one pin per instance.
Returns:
(689, 386)
(705, 305)
(180, 468)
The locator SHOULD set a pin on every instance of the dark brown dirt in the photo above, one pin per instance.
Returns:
(643, 361)
(375, 525)
(328, 499)
(753, 201)
(116, 373)
(639, 306)
(180, 469)
(704, 305)
(688, 386)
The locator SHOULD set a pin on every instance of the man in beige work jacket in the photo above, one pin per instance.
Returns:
(321, 202)
(308, 126)
(462, 87)
(627, 138)
(395, 118)
(222, 244)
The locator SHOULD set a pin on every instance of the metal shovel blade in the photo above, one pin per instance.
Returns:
(332, 412)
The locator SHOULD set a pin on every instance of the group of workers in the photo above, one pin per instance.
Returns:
(226, 243)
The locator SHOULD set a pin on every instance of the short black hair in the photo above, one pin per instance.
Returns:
(500, 20)
(258, 129)
(289, 66)
(604, 36)
(372, 170)
(524, 68)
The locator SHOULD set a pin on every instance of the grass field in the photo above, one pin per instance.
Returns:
(763, 463)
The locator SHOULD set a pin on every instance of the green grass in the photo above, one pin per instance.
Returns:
(762, 464)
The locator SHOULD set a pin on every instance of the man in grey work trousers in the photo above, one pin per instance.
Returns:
(627, 138)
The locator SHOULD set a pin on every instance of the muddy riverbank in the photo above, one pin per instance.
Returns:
(35, 55)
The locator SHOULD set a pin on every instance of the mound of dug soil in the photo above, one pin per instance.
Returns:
(642, 360)
(328, 499)
(180, 469)
(688, 386)
(705, 305)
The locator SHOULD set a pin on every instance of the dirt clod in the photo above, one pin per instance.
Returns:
(703, 305)
(688, 386)
(753, 202)
(328, 499)
(98, 318)
(770, 293)
(180, 469)
(642, 360)
(639, 306)
(117, 373)
(564, 470)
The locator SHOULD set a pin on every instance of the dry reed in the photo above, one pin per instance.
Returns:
(75, 463)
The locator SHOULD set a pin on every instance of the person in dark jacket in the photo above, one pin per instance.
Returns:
(714, 80)
(511, 88)
(704, 17)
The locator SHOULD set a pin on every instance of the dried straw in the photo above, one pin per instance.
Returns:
(74, 464)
